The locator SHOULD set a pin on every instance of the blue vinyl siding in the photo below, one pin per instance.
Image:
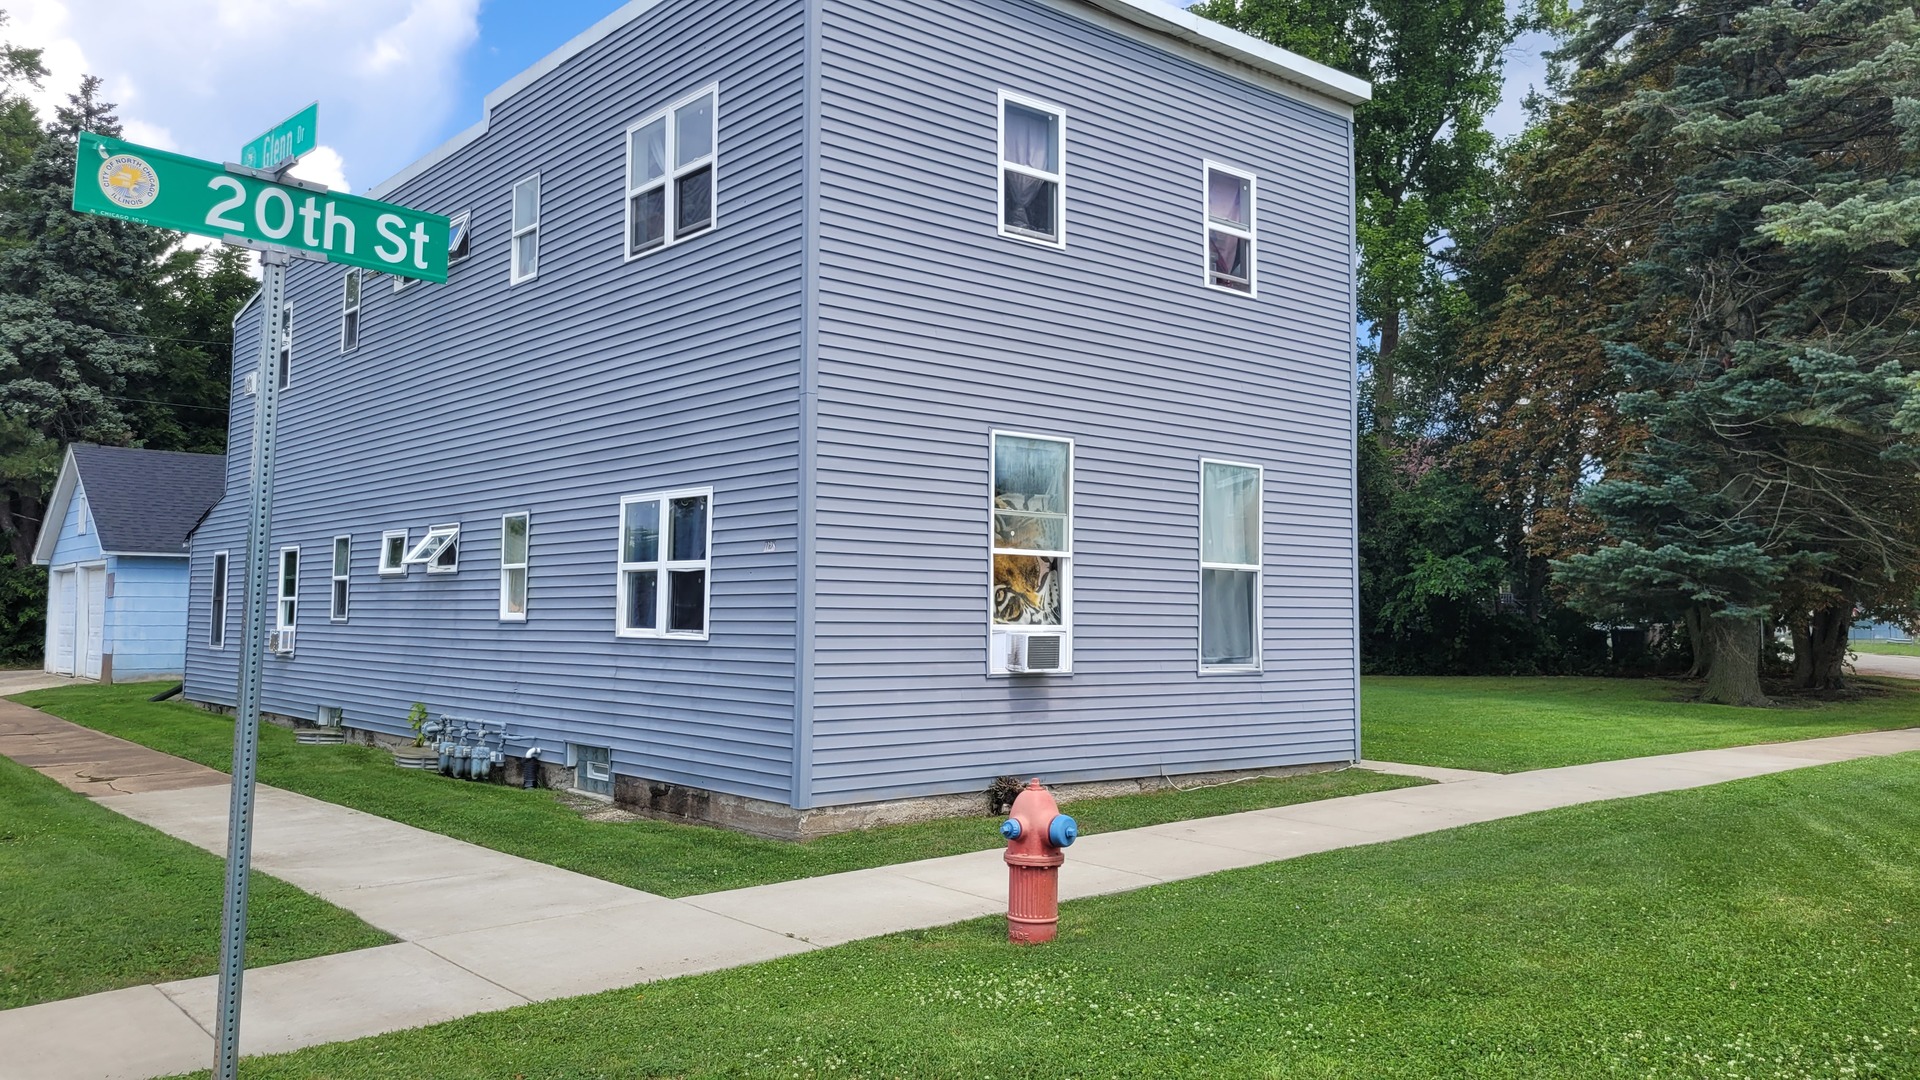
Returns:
(934, 331)
(146, 617)
(72, 545)
(599, 378)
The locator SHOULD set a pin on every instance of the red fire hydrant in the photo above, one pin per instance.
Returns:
(1036, 832)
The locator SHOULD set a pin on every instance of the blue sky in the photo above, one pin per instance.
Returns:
(394, 78)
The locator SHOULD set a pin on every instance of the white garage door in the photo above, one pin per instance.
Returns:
(60, 622)
(93, 583)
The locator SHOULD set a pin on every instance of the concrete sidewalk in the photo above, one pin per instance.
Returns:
(482, 931)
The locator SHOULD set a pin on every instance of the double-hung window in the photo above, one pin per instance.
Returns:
(513, 567)
(1230, 228)
(289, 607)
(217, 623)
(670, 172)
(1033, 171)
(526, 229)
(350, 312)
(1229, 566)
(393, 551)
(1032, 552)
(665, 544)
(342, 570)
(439, 550)
(286, 346)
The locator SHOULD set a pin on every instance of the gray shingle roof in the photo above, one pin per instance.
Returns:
(147, 500)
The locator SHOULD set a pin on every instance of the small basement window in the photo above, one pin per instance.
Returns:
(593, 770)
(439, 550)
(393, 551)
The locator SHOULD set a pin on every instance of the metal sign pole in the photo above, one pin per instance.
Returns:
(246, 726)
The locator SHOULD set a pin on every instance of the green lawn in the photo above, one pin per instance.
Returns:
(1510, 725)
(1759, 929)
(93, 901)
(659, 857)
(1886, 648)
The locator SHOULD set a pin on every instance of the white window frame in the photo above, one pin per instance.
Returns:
(432, 549)
(514, 276)
(526, 557)
(671, 178)
(663, 593)
(460, 225)
(1251, 233)
(80, 524)
(285, 356)
(339, 592)
(1001, 165)
(388, 569)
(217, 610)
(1258, 568)
(286, 611)
(997, 630)
(353, 286)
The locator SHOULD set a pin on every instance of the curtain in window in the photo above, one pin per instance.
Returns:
(1031, 140)
(1031, 500)
(1227, 603)
(1227, 198)
(1229, 535)
(1230, 514)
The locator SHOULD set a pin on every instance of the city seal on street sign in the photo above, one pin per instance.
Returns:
(129, 182)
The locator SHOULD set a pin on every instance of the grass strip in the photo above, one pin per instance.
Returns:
(1758, 929)
(93, 901)
(1886, 648)
(1512, 725)
(655, 856)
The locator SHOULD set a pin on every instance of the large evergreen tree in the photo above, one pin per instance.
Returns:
(1775, 476)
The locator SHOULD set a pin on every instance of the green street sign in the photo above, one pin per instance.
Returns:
(171, 191)
(288, 139)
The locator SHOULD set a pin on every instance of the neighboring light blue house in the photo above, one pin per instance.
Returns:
(835, 402)
(1879, 631)
(117, 562)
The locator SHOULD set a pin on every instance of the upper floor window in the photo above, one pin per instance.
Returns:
(526, 229)
(664, 586)
(1033, 170)
(342, 569)
(459, 237)
(439, 550)
(670, 166)
(393, 552)
(289, 608)
(1230, 226)
(217, 621)
(1229, 566)
(350, 312)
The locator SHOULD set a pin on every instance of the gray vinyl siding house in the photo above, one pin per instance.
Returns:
(867, 325)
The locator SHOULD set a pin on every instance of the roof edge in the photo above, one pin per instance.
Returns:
(56, 509)
(1213, 37)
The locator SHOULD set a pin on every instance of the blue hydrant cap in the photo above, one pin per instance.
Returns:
(1062, 831)
(1010, 829)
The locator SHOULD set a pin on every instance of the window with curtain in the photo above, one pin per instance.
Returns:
(664, 585)
(1033, 171)
(1229, 196)
(1032, 530)
(670, 165)
(526, 229)
(1229, 566)
(513, 567)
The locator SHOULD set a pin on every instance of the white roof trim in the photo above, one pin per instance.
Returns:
(56, 512)
(1152, 14)
(1245, 48)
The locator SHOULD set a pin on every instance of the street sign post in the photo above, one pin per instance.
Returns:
(291, 138)
(173, 191)
(281, 218)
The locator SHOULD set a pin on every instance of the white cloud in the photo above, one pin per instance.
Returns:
(323, 166)
(204, 76)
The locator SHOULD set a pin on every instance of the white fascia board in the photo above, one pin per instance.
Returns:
(581, 42)
(56, 512)
(1245, 48)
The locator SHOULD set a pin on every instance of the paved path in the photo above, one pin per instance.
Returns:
(15, 681)
(1900, 667)
(482, 931)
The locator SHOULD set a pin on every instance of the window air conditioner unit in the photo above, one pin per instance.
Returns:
(280, 642)
(1034, 652)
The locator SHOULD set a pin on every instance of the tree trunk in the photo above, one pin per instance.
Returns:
(1697, 639)
(1800, 625)
(1820, 664)
(1732, 662)
(1383, 371)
